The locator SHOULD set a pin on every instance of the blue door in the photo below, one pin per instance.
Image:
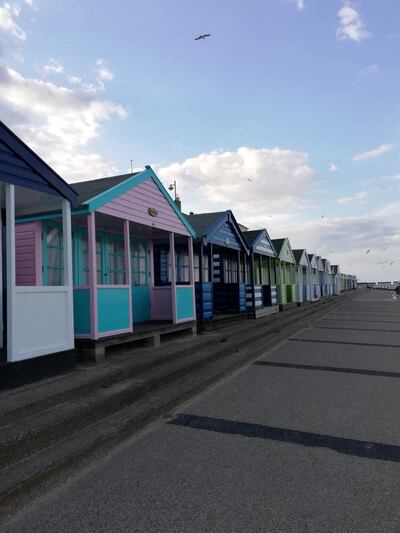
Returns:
(140, 280)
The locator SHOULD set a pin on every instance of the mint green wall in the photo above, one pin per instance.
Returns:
(82, 312)
(113, 309)
(184, 303)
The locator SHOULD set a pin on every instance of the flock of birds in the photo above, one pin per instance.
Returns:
(390, 263)
(204, 36)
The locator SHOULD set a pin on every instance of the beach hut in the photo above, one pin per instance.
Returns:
(222, 267)
(261, 290)
(286, 273)
(328, 290)
(336, 279)
(36, 337)
(315, 286)
(321, 276)
(303, 275)
(132, 260)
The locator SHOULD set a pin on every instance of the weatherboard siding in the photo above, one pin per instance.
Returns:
(25, 253)
(227, 237)
(133, 205)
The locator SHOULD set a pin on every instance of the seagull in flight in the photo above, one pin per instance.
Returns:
(367, 252)
(203, 36)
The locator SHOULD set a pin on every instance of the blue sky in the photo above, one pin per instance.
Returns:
(288, 113)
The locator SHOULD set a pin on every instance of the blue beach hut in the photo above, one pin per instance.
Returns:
(221, 265)
(261, 291)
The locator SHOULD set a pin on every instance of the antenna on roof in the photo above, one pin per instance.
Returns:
(131, 167)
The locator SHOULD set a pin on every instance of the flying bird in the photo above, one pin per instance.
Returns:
(391, 263)
(367, 252)
(384, 249)
(203, 36)
(249, 179)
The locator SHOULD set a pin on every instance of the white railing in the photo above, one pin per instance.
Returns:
(42, 322)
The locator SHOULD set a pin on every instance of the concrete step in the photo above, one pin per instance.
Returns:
(38, 472)
(53, 444)
(19, 404)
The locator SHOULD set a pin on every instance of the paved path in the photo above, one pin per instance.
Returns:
(307, 439)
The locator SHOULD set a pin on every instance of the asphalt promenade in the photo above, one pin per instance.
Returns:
(305, 439)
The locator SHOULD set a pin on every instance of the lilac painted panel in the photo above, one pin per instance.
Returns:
(134, 204)
(25, 253)
(161, 303)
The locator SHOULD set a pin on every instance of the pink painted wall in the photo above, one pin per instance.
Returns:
(134, 204)
(27, 260)
(161, 303)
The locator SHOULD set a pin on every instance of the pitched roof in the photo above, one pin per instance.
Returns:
(251, 235)
(91, 188)
(278, 243)
(298, 254)
(203, 221)
(28, 169)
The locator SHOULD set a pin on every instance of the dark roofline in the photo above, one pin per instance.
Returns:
(17, 145)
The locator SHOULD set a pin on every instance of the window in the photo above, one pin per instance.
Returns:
(116, 261)
(53, 267)
(273, 276)
(206, 267)
(230, 270)
(182, 266)
(80, 255)
(265, 270)
(139, 263)
(257, 270)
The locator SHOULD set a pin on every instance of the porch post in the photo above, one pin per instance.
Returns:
(68, 277)
(201, 281)
(260, 269)
(10, 250)
(127, 248)
(191, 274)
(173, 275)
(253, 292)
(94, 312)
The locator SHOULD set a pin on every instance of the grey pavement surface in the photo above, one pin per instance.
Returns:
(306, 439)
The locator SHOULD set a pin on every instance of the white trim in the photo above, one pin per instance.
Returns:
(10, 252)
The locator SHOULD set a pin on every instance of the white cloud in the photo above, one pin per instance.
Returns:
(53, 67)
(376, 152)
(351, 27)
(103, 72)
(29, 2)
(57, 121)
(358, 198)
(8, 25)
(364, 73)
(300, 4)
(333, 167)
(252, 180)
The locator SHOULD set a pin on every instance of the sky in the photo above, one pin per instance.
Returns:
(288, 114)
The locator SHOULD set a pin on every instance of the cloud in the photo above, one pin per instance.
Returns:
(358, 198)
(8, 25)
(300, 4)
(333, 167)
(29, 2)
(53, 67)
(103, 72)
(376, 152)
(57, 121)
(366, 72)
(255, 180)
(351, 26)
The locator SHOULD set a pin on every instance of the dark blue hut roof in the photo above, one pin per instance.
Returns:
(219, 228)
(21, 166)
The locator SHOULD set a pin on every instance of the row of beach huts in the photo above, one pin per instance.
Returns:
(113, 260)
